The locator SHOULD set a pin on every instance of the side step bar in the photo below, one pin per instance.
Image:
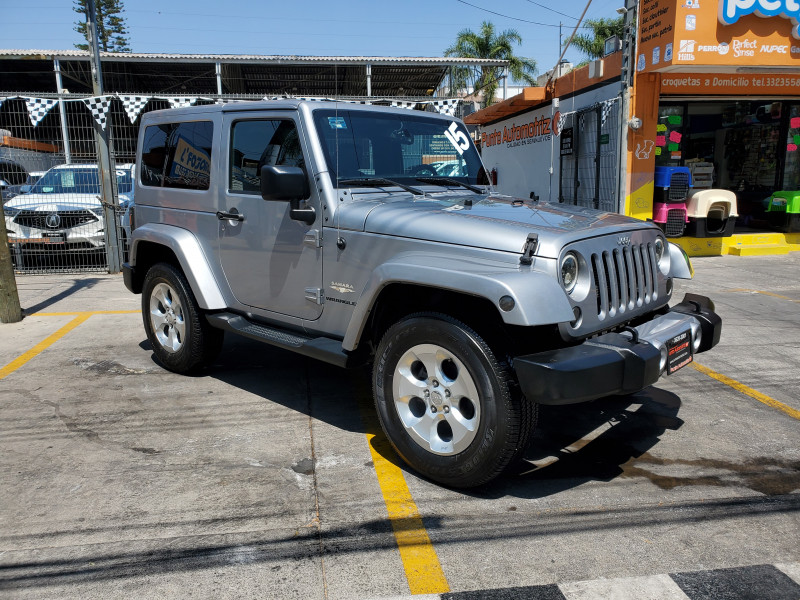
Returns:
(321, 348)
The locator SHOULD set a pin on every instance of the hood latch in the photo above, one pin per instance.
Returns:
(529, 249)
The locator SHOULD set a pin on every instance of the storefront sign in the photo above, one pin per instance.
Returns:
(539, 129)
(729, 33)
(655, 48)
(566, 142)
(730, 11)
(725, 84)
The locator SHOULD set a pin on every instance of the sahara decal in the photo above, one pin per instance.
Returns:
(342, 288)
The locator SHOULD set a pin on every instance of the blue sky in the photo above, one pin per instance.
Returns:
(307, 27)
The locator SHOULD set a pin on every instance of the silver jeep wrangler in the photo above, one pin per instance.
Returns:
(357, 235)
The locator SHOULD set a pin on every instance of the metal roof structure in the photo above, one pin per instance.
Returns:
(221, 74)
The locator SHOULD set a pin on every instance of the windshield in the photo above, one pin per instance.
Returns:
(78, 181)
(398, 147)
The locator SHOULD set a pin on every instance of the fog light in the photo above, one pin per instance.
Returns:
(662, 364)
(698, 339)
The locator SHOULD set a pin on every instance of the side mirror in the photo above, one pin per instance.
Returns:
(25, 189)
(282, 183)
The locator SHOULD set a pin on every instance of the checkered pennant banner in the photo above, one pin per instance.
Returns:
(607, 106)
(402, 104)
(562, 120)
(446, 107)
(38, 108)
(99, 106)
(180, 101)
(133, 105)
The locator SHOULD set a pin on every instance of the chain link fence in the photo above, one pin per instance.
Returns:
(50, 177)
(589, 164)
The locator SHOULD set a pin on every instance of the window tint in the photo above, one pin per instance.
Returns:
(400, 147)
(260, 143)
(177, 155)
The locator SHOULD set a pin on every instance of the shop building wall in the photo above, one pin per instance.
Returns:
(524, 164)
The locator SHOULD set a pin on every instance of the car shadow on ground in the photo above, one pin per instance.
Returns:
(78, 284)
(570, 445)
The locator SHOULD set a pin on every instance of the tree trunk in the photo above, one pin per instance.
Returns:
(10, 310)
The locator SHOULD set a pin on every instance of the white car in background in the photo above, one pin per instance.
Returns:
(63, 210)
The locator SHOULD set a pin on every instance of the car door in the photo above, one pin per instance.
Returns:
(270, 261)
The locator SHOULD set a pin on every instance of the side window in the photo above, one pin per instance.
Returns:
(178, 155)
(259, 143)
(154, 154)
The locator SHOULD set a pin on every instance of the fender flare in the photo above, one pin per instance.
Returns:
(538, 297)
(190, 255)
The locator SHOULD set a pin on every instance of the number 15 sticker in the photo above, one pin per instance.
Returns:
(458, 138)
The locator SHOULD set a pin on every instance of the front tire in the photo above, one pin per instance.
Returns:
(446, 403)
(182, 339)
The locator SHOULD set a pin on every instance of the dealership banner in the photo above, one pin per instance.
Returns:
(729, 33)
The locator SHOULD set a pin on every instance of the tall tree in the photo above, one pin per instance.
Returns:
(593, 45)
(488, 44)
(112, 33)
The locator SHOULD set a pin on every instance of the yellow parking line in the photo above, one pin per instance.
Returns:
(94, 312)
(44, 344)
(764, 293)
(740, 387)
(423, 570)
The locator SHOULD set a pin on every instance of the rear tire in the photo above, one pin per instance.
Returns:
(182, 339)
(446, 403)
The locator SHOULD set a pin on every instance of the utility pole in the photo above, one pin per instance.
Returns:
(627, 76)
(113, 251)
(10, 310)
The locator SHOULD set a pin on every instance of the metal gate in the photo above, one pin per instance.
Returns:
(589, 156)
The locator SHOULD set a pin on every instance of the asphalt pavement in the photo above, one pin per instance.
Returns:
(267, 476)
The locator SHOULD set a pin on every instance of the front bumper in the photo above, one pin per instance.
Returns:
(617, 363)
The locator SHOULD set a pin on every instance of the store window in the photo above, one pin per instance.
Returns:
(735, 145)
(669, 135)
(791, 168)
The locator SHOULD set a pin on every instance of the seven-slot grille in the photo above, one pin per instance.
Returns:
(67, 219)
(678, 187)
(624, 278)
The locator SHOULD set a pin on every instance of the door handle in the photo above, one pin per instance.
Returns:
(230, 216)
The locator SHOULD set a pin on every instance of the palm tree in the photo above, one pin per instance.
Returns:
(594, 45)
(488, 44)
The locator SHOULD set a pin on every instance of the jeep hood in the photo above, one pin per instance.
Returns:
(495, 222)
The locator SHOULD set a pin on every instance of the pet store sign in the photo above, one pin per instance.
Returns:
(730, 11)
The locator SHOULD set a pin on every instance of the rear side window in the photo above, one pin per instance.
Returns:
(177, 155)
(258, 143)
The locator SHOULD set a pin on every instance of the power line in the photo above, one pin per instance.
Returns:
(509, 17)
(553, 10)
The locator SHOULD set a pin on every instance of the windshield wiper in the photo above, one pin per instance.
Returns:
(379, 182)
(448, 181)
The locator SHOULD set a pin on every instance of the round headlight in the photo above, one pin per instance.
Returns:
(569, 271)
(662, 255)
(659, 247)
